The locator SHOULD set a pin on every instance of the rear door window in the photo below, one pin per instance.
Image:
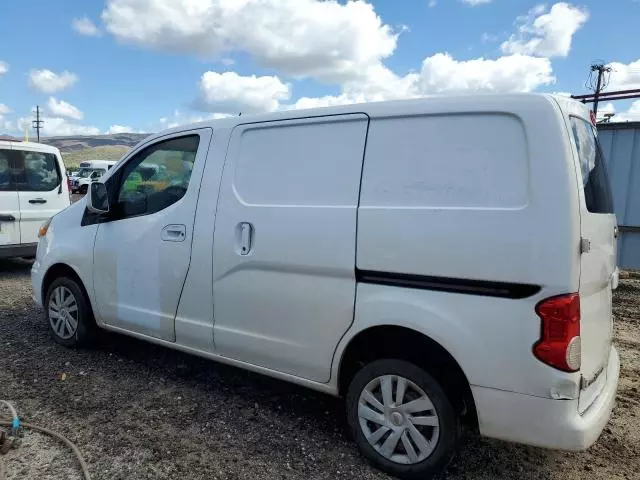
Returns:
(597, 192)
(28, 171)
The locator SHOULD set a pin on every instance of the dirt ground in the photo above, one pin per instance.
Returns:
(138, 411)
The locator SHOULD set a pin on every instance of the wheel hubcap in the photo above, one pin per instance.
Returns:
(398, 419)
(63, 313)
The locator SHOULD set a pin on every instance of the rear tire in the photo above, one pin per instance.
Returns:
(401, 419)
(68, 313)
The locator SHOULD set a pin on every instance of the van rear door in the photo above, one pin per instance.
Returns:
(42, 190)
(9, 205)
(598, 259)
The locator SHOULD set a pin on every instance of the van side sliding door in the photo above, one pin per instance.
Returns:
(284, 242)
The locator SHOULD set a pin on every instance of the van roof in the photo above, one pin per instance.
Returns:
(435, 104)
(31, 146)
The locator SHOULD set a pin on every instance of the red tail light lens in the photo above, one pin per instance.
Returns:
(559, 345)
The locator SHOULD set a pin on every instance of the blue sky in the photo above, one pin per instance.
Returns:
(118, 65)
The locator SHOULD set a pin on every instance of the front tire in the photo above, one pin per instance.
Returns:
(69, 316)
(401, 419)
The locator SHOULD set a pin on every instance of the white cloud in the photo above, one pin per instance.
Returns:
(547, 33)
(624, 76)
(441, 73)
(326, 40)
(49, 82)
(4, 109)
(474, 3)
(631, 115)
(57, 127)
(179, 118)
(114, 129)
(63, 109)
(606, 109)
(229, 92)
(515, 73)
(84, 26)
(432, 3)
(4, 68)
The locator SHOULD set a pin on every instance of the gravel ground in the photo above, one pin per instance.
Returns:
(138, 411)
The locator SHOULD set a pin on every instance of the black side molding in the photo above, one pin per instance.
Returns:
(446, 284)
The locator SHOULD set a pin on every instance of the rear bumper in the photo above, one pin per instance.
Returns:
(545, 422)
(19, 250)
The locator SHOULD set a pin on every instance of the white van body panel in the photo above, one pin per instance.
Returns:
(479, 190)
(31, 208)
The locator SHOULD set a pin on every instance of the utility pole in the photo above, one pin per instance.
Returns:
(600, 83)
(37, 123)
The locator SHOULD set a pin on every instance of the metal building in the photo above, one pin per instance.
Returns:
(621, 146)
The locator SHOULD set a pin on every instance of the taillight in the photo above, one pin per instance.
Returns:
(559, 345)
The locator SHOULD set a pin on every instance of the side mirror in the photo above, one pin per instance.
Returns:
(98, 201)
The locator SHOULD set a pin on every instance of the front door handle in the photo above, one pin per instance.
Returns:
(174, 233)
(38, 200)
(7, 218)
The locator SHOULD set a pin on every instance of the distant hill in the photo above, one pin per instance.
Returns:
(76, 149)
(83, 142)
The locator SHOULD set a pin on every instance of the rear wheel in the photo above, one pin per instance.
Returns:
(68, 313)
(401, 419)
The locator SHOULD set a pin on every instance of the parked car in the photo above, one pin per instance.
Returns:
(90, 171)
(442, 263)
(31, 191)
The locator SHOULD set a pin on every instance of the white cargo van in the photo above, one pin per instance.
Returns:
(440, 263)
(32, 189)
(90, 171)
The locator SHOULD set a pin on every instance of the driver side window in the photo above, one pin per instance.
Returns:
(157, 176)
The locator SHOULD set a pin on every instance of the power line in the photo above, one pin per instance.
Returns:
(37, 123)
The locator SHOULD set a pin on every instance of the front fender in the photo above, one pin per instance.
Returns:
(68, 243)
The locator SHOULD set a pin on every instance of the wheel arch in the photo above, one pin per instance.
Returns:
(399, 342)
(59, 270)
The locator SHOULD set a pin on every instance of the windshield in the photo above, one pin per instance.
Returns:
(86, 172)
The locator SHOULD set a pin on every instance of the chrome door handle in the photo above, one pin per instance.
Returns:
(174, 233)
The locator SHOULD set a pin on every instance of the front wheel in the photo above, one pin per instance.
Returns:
(68, 313)
(401, 419)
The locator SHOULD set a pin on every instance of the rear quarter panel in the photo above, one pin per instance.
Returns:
(501, 222)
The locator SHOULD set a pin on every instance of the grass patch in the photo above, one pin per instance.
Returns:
(111, 152)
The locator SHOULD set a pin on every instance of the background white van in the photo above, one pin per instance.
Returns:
(90, 171)
(33, 188)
